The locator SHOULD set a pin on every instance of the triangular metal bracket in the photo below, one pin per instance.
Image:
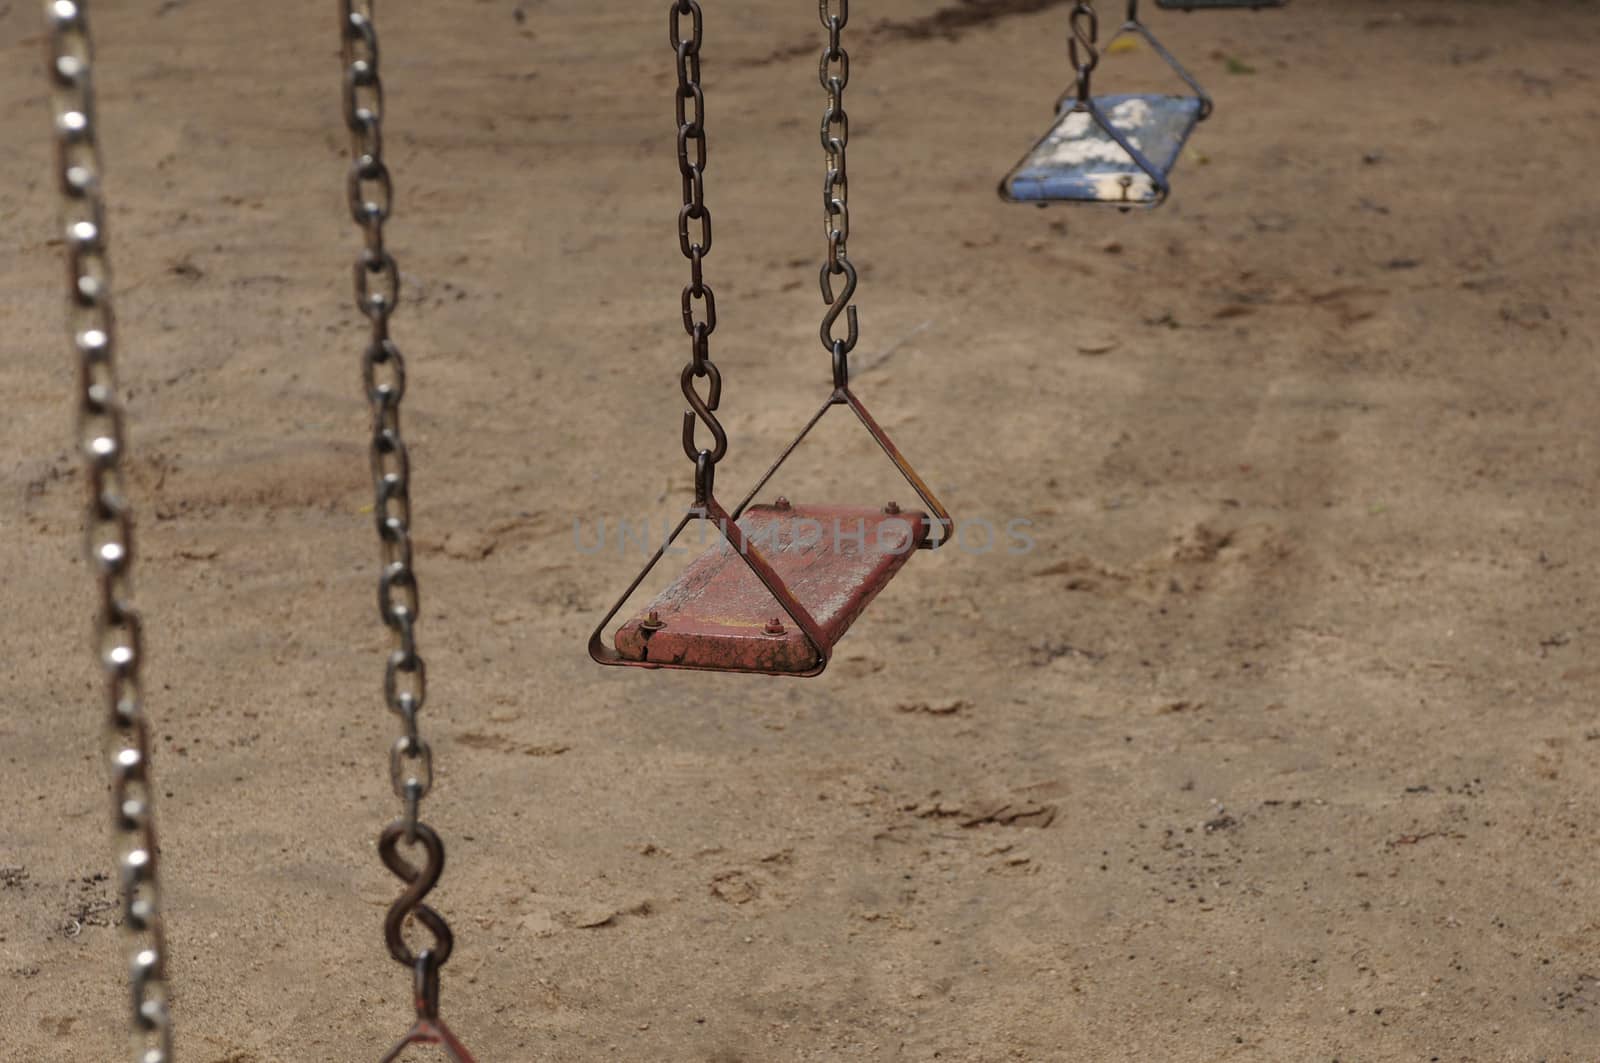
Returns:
(938, 516)
(708, 509)
(431, 1032)
(1133, 25)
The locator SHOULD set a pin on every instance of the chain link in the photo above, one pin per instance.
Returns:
(370, 191)
(833, 72)
(699, 301)
(118, 631)
(1083, 44)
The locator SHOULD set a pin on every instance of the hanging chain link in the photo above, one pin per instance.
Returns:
(377, 291)
(690, 105)
(1083, 44)
(118, 632)
(834, 74)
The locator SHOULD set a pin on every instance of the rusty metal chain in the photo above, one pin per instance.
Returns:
(370, 191)
(1083, 44)
(690, 106)
(834, 74)
(118, 631)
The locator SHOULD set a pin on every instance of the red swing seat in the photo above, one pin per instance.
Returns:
(718, 615)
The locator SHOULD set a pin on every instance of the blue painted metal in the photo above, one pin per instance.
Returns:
(1080, 160)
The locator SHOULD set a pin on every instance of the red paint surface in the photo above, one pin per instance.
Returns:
(834, 559)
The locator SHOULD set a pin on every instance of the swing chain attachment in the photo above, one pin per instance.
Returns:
(1083, 45)
(699, 301)
(405, 682)
(118, 631)
(834, 74)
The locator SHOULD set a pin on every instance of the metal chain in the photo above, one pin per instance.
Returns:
(1083, 44)
(834, 74)
(118, 632)
(377, 290)
(690, 106)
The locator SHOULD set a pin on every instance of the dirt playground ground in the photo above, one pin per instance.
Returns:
(1279, 744)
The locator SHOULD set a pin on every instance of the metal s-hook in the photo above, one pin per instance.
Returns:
(701, 410)
(840, 305)
(1083, 46)
(419, 881)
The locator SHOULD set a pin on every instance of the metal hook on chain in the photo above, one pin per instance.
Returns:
(419, 881)
(701, 411)
(839, 305)
(1082, 46)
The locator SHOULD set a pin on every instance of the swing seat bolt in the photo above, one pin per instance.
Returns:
(653, 622)
(782, 503)
(893, 508)
(774, 626)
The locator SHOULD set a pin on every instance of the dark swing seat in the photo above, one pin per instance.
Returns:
(718, 615)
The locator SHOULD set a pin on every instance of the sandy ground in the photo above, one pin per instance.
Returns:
(1279, 745)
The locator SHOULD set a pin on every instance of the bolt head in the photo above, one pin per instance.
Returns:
(775, 626)
(892, 508)
(782, 503)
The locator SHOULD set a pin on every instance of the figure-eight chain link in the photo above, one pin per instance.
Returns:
(370, 192)
(834, 74)
(1083, 45)
(699, 301)
(119, 638)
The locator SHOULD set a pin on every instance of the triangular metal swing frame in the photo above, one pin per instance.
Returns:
(726, 650)
(843, 396)
(431, 1032)
(1085, 156)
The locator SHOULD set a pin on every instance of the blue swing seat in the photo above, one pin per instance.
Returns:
(1079, 161)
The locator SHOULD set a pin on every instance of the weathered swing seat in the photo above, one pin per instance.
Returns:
(719, 616)
(1080, 160)
(778, 585)
(1119, 150)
